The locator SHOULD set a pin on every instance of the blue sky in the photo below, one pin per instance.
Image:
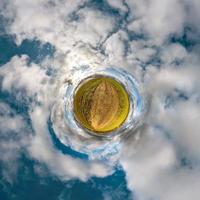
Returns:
(43, 41)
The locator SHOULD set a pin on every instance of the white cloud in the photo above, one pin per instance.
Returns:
(93, 26)
(173, 52)
(160, 19)
(140, 51)
(42, 19)
(53, 24)
(154, 171)
(151, 158)
(64, 166)
(14, 136)
(17, 74)
(153, 166)
(115, 48)
(118, 5)
(8, 122)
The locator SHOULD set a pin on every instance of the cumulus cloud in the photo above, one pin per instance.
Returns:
(54, 22)
(64, 166)
(164, 164)
(146, 38)
(18, 75)
(9, 123)
(118, 5)
(158, 18)
(14, 137)
(155, 172)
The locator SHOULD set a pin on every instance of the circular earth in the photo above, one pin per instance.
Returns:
(101, 104)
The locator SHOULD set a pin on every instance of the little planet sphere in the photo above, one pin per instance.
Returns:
(101, 104)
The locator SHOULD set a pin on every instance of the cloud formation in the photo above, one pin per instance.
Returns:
(19, 76)
(157, 41)
(13, 138)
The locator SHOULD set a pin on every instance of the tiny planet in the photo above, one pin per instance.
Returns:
(101, 104)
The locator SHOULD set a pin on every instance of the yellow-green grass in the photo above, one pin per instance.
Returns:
(101, 104)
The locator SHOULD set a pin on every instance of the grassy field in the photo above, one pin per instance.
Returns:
(101, 104)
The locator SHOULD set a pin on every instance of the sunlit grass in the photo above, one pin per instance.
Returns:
(101, 104)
